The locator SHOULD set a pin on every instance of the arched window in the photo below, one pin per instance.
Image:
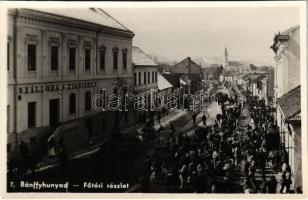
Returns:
(115, 51)
(88, 100)
(72, 103)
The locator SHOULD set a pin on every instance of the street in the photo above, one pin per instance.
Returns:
(119, 165)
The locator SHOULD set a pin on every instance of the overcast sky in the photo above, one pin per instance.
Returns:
(180, 32)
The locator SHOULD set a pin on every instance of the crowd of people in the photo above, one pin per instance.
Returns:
(236, 149)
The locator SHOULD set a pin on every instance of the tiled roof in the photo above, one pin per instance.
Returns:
(194, 77)
(162, 82)
(174, 79)
(140, 58)
(187, 65)
(92, 15)
(290, 103)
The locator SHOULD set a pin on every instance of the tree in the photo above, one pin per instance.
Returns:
(253, 67)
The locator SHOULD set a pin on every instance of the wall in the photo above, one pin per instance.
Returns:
(41, 32)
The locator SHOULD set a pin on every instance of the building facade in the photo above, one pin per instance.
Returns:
(145, 77)
(192, 70)
(57, 62)
(288, 96)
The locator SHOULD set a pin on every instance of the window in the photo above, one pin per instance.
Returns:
(153, 77)
(102, 54)
(72, 102)
(87, 59)
(139, 78)
(115, 58)
(72, 58)
(31, 114)
(54, 58)
(124, 58)
(149, 77)
(31, 57)
(135, 78)
(8, 56)
(144, 78)
(88, 101)
(156, 77)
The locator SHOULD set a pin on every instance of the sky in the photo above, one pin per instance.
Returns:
(176, 33)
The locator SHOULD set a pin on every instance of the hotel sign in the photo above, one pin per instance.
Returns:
(40, 88)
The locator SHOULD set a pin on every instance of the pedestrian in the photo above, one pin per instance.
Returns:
(63, 159)
(285, 181)
(158, 117)
(272, 185)
(62, 142)
(171, 124)
(194, 117)
(263, 188)
(23, 149)
(204, 119)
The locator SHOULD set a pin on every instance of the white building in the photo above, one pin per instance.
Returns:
(145, 74)
(288, 95)
(58, 59)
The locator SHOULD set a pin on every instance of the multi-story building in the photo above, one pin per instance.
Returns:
(288, 95)
(145, 76)
(58, 59)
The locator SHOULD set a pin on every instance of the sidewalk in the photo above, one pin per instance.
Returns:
(51, 162)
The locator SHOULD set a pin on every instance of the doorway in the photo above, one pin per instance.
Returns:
(54, 112)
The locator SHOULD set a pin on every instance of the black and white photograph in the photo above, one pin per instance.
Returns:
(163, 98)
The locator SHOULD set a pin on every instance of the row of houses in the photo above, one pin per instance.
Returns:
(281, 90)
(257, 85)
(286, 47)
(57, 61)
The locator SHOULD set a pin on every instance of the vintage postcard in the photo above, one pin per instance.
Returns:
(177, 99)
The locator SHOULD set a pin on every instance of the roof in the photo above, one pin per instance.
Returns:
(245, 77)
(187, 65)
(162, 83)
(227, 73)
(258, 78)
(174, 79)
(140, 58)
(193, 77)
(290, 103)
(235, 63)
(286, 32)
(93, 15)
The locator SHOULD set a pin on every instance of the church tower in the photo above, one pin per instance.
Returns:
(226, 62)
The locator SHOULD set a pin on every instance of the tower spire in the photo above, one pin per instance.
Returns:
(226, 63)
